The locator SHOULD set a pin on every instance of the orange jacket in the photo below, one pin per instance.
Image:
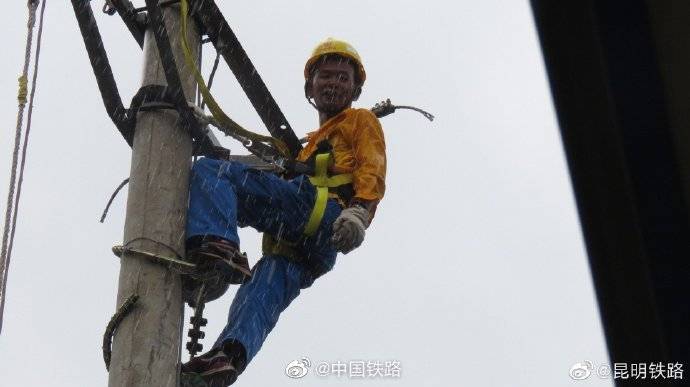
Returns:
(358, 148)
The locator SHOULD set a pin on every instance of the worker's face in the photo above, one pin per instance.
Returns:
(333, 85)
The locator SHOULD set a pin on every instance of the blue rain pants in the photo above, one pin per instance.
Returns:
(225, 194)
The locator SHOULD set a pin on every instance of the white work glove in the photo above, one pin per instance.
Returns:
(348, 228)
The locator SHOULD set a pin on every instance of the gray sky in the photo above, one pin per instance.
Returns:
(473, 272)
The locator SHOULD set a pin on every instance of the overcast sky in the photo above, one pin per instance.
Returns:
(473, 273)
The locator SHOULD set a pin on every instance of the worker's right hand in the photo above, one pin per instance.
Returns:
(349, 227)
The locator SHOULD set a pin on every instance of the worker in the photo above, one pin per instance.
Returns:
(302, 237)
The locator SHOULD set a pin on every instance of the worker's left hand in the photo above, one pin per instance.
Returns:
(348, 228)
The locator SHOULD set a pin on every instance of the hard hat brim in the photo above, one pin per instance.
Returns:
(359, 68)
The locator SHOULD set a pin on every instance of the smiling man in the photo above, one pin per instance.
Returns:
(306, 220)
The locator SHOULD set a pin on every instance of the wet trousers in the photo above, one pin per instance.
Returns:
(225, 194)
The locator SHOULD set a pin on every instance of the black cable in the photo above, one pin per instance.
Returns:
(112, 197)
(213, 74)
(114, 322)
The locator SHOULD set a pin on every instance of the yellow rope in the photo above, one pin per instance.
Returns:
(15, 189)
(218, 113)
(23, 89)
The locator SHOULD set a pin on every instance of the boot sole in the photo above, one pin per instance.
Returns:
(220, 377)
(235, 273)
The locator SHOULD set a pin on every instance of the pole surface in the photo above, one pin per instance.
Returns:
(147, 344)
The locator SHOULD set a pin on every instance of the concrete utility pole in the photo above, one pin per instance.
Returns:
(147, 344)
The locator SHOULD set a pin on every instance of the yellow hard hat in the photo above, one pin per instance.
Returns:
(338, 47)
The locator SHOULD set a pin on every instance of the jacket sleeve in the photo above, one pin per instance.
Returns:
(369, 151)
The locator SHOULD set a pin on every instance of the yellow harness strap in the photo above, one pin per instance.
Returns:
(275, 246)
(321, 181)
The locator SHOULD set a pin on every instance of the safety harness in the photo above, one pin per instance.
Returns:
(338, 186)
(322, 182)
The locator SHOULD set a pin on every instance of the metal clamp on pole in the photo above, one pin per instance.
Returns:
(176, 263)
(172, 75)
